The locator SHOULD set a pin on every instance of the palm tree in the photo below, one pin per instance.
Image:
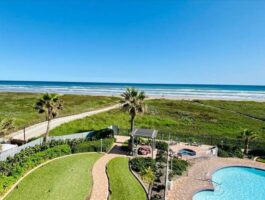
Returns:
(50, 105)
(247, 136)
(133, 103)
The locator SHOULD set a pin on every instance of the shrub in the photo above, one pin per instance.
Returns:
(90, 146)
(102, 134)
(229, 151)
(148, 175)
(178, 167)
(162, 145)
(161, 158)
(257, 152)
(140, 164)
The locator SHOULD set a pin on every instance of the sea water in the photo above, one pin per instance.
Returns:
(189, 91)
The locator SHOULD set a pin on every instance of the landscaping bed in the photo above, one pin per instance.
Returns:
(159, 184)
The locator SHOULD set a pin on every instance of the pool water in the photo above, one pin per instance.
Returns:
(235, 183)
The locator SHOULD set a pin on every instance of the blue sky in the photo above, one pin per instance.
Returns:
(159, 41)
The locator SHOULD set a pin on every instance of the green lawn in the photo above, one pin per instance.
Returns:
(178, 117)
(67, 178)
(123, 184)
(20, 106)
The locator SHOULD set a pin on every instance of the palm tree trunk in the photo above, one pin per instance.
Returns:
(246, 146)
(132, 122)
(47, 131)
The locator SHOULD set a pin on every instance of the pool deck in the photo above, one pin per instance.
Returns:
(199, 174)
(201, 151)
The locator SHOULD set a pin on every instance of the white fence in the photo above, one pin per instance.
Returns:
(11, 152)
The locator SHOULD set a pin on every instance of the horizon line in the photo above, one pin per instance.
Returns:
(136, 83)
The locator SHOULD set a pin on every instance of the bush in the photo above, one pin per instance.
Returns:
(140, 164)
(102, 134)
(162, 145)
(257, 152)
(178, 167)
(230, 151)
(161, 158)
(90, 146)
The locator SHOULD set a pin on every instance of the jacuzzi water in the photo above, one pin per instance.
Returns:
(235, 183)
(187, 152)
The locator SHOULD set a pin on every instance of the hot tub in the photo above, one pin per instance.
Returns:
(186, 152)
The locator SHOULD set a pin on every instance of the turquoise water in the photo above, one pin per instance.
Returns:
(236, 183)
(165, 90)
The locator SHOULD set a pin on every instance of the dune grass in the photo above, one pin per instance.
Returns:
(123, 184)
(20, 106)
(248, 108)
(177, 117)
(66, 178)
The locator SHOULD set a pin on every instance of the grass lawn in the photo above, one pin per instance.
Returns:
(178, 117)
(67, 178)
(20, 106)
(123, 184)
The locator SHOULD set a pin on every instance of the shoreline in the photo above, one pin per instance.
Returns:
(162, 96)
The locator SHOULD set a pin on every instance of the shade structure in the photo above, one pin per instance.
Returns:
(149, 133)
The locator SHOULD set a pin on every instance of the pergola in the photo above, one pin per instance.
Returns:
(148, 133)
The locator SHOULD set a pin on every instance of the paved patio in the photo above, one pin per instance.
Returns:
(201, 151)
(200, 172)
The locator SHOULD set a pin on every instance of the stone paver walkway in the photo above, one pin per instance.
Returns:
(100, 190)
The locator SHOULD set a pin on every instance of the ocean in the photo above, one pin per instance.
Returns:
(180, 91)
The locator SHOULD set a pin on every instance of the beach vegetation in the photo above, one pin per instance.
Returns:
(5, 126)
(20, 107)
(182, 119)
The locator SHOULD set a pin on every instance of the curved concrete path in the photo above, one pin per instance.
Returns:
(39, 129)
(100, 190)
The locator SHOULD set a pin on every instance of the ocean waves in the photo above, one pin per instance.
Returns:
(152, 90)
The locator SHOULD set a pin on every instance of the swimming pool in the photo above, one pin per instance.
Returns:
(235, 183)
